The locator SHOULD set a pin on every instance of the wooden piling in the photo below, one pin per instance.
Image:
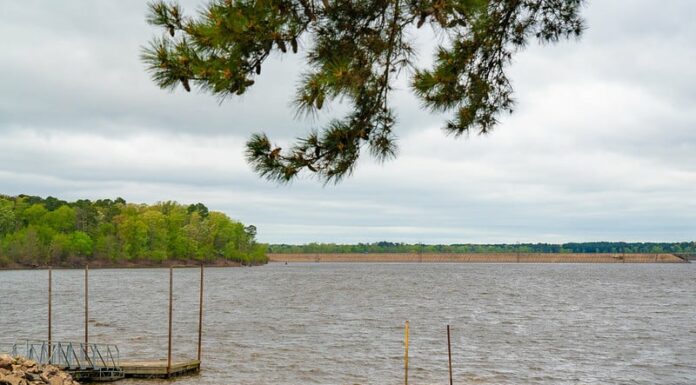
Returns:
(406, 354)
(86, 307)
(449, 354)
(171, 300)
(50, 294)
(200, 317)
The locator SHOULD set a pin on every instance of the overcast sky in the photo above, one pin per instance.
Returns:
(602, 145)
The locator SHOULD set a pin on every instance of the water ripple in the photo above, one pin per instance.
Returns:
(343, 323)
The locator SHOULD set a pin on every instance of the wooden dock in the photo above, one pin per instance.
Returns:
(90, 362)
(158, 368)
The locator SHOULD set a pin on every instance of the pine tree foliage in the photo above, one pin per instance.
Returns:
(355, 49)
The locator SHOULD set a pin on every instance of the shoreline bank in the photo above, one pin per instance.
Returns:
(480, 258)
(95, 265)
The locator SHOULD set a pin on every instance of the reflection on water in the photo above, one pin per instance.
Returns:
(343, 323)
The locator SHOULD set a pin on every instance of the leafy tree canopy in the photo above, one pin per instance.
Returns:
(37, 231)
(355, 49)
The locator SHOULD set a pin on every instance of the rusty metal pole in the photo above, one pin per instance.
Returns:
(50, 293)
(86, 307)
(171, 300)
(449, 353)
(200, 318)
(406, 354)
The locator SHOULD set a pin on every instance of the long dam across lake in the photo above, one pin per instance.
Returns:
(481, 257)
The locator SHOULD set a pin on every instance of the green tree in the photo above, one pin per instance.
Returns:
(7, 217)
(157, 236)
(132, 232)
(355, 49)
(199, 208)
(251, 233)
(34, 214)
(197, 233)
(80, 244)
(24, 246)
(86, 216)
(106, 243)
(176, 217)
(52, 203)
(62, 219)
(59, 248)
(113, 230)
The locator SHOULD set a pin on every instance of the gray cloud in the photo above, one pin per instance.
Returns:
(602, 145)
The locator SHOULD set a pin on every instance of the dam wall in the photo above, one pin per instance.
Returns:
(480, 258)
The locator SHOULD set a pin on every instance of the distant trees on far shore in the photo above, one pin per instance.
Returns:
(37, 231)
(396, 247)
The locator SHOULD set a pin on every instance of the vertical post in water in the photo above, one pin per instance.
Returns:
(200, 318)
(406, 354)
(171, 298)
(50, 292)
(449, 353)
(86, 307)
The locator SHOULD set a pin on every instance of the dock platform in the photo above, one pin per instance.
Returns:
(158, 368)
(98, 362)
(90, 362)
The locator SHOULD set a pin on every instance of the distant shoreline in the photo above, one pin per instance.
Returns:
(124, 265)
(480, 258)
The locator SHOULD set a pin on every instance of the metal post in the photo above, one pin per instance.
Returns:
(50, 292)
(449, 353)
(86, 307)
(200, 318)
(406, 354)
(171, 298)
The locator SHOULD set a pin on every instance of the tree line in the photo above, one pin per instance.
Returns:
(36, 232)
(582, 247)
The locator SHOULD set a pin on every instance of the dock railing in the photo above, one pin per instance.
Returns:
(70, 355)
(8, 348)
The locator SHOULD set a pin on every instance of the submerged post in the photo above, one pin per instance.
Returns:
(449, 353)
(86, 307)
(50, 292)
(171, 298)
(200, 317)
(406, 354)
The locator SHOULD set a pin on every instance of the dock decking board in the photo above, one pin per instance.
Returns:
(158, 368)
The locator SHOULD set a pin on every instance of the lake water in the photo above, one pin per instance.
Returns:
(343, 323)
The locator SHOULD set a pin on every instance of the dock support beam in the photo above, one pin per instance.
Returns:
(200, 317)
(86, 307)
(171, 304)
(449, 354)
(406, 354)
(50, 294)
(171, 311)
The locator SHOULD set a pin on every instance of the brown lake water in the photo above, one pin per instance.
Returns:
(343, 323)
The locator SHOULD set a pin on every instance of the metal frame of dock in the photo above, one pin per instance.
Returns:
(102, 362)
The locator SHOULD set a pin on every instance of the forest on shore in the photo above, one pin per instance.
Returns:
(37, 231)
(582, 247)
